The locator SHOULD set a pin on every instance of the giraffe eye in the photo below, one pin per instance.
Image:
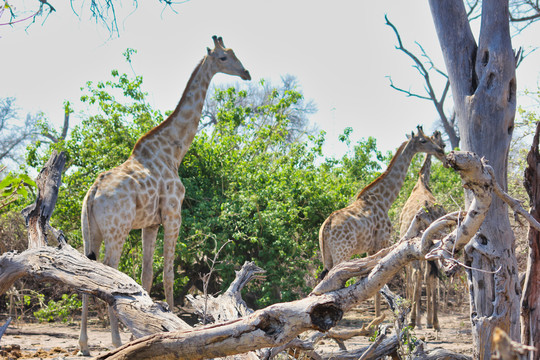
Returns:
(223, 58)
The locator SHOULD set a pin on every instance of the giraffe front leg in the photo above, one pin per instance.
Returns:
(149, 235)
(169, 247)
(417, 295)
(83, 336)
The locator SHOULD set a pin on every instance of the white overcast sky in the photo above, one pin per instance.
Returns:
(341, 52)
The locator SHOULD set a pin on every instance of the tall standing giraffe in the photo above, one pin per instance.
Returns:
(420, 198)
(146, 191)
(364, 225)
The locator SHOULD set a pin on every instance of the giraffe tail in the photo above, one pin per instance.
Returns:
(323, 245)
(90, 231)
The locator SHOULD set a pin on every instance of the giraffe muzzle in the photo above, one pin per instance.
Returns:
(246, 75)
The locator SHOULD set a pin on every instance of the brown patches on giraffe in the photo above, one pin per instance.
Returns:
(421, 198)
(145, 191)
(364, 225)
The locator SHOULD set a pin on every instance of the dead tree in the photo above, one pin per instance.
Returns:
(530, 301)
(483, 84)
(276, 325)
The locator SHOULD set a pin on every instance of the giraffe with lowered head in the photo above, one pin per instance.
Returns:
(364, 225)
(145, 191)
(421, 198)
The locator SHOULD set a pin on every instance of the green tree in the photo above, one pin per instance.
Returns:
(247, 180)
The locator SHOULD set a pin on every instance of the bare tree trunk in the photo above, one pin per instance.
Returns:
(530, 303)
(38, 214)
(484, 90)
(276, 325)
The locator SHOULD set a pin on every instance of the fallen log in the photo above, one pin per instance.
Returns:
(276, 325)
(66, 265)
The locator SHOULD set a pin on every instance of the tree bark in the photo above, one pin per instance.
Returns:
(530, 302)
(131, 303)
(484, 90)
(38, 214)
(276, 325)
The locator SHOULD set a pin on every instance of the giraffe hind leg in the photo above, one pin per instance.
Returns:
(149, 236)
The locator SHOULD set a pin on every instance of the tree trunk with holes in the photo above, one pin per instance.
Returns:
(530, 303)
(482, 77)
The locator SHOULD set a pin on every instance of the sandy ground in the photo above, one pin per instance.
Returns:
(59, 341)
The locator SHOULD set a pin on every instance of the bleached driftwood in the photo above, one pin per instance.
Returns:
(276, 325)
(131, 303)
(64, 264)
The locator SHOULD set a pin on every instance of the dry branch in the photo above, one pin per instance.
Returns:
(276, 325)
(131, 303)
(507, 349)
(38, 214)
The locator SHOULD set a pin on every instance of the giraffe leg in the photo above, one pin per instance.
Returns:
(378, 304)
(149, 236)
(431, 290)
(113, 261)
(429, 299)
(169, 246)
(83, 336)
(417, 292)
(436, 325)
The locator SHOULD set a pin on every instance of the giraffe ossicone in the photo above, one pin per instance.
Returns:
(145, 191)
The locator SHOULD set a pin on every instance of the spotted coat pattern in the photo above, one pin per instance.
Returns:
(145, 191)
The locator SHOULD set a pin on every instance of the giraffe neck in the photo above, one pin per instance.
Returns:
(387, 186)
(170, 140)
(425, 171)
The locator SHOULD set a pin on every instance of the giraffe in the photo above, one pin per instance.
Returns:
(364, 225)
(420, 198)
(145, 191)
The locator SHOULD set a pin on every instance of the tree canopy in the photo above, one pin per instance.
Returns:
(247, 180)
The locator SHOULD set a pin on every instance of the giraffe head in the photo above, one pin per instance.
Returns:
(225, 61)
(433, 145)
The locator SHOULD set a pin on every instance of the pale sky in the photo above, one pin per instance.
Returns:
(340, 51)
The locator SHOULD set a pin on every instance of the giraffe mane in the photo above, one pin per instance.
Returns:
(176, 110)
(383, 175)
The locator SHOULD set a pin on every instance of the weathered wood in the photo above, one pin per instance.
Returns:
(38, 214)
(483, 82)
(276, 325)
(66, 265)
(229, 305)
(530, 301)
(507, 349)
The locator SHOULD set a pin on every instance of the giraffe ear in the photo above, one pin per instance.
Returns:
(208, 50)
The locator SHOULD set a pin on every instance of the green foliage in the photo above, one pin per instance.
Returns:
(247, 180)
(103, 140)
(61, 310)
(14, 187)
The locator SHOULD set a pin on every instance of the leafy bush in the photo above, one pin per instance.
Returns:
(247, 180)
(61, 310)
